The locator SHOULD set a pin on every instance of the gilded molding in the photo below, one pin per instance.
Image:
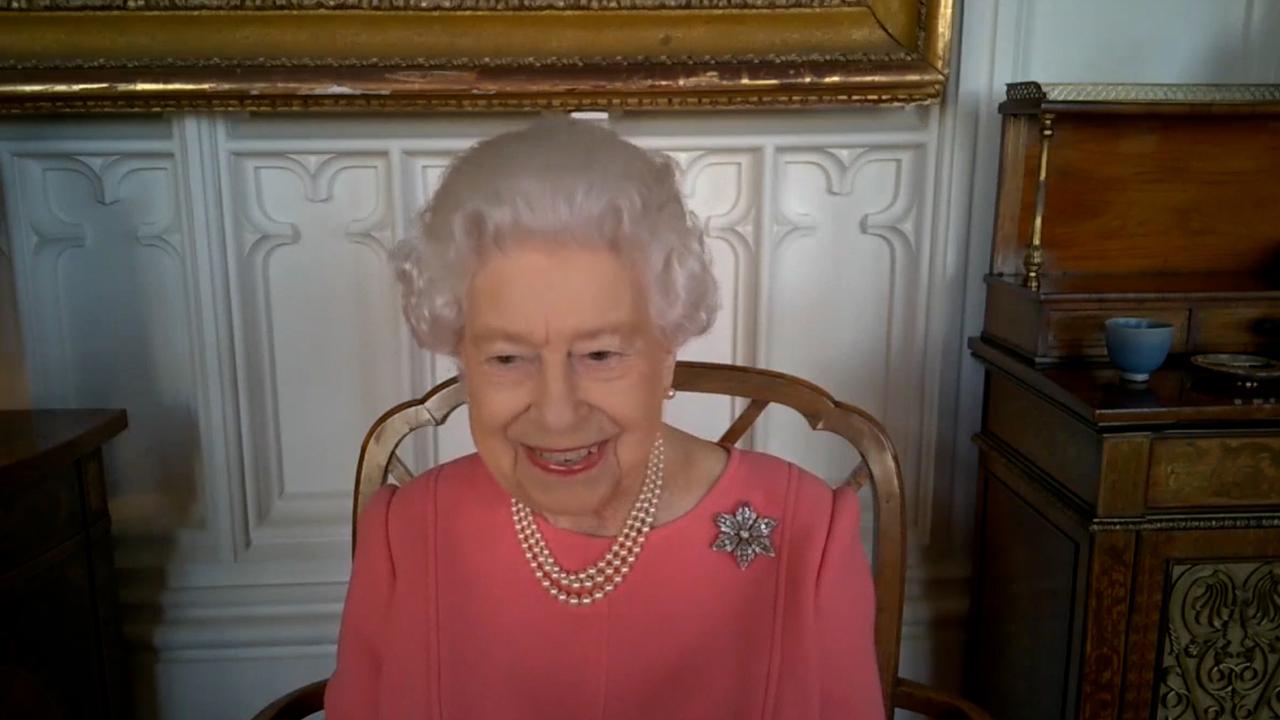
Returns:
(1140, 93)
(400, 5)
(305, 103)
(1238, 522)
(1033, 262)
(1026, 90)
(156, 55)
(430, 63)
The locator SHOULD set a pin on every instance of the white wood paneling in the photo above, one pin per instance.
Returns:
(105, 269)
(13, 378)
(320, 350)
(846, 263)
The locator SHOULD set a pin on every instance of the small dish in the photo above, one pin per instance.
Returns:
(1247, 370)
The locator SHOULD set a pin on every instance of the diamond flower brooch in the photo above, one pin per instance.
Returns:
(744, 534)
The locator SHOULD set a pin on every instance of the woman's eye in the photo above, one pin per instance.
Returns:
(600, 356)
(504, 360)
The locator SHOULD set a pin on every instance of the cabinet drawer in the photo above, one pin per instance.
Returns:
(1214, 472)
(1247, 329)
(1082, 333)
(37, 514)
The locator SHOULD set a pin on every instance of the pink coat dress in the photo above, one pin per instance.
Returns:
(445, 619)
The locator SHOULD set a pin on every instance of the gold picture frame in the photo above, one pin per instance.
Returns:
(374, 55)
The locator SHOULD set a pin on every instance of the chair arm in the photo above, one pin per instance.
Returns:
(306, 700)
(934, 703)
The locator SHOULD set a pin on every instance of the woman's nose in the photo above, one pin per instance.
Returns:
(557, 402)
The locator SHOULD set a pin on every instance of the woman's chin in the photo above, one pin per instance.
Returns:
(556, 495)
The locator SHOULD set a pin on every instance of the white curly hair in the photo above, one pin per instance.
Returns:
(565, 179)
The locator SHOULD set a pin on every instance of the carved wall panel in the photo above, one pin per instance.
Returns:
(103, 259)
(845, 257)
(320, 348)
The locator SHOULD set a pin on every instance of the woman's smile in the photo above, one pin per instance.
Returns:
(572, 461)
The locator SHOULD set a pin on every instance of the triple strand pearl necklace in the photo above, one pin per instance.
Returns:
(593, 583)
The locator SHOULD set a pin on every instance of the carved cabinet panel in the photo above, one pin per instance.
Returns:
(1214, 641)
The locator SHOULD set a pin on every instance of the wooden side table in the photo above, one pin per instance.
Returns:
(1128, 547)
(61, 652)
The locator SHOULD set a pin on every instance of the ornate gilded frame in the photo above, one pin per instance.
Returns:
(283, 55)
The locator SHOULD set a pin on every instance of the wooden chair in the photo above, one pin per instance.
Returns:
(879, 470)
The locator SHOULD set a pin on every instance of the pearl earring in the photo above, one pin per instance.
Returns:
(671, 392)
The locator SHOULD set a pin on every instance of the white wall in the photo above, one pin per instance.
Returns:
(222, 278)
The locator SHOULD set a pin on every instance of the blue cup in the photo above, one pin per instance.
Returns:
(1138, 345)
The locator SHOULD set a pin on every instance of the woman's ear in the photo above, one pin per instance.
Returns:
(669, 369)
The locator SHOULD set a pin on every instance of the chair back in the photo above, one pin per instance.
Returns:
(878, 469)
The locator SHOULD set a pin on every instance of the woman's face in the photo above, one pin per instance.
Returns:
(566, 377)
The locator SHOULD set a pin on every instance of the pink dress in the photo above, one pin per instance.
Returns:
(445, 620)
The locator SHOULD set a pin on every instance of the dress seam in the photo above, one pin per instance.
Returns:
(432, 574)
(604, 676)
(779, 594)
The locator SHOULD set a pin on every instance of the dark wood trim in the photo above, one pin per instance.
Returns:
(1107, 621)
(34, 441)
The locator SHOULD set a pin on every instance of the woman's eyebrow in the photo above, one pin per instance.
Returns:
(612, 332)
(493, 334)
(489, 335)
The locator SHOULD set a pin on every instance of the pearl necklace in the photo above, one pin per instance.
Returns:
(593, 583)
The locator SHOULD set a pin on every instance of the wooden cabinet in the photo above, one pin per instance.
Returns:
(1157, 201)
(60, 646)
(1128, 550)
(1127, 558)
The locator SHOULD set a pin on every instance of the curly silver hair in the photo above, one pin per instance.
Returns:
(570, 180)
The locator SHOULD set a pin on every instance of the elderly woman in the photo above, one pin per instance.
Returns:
(591, 561)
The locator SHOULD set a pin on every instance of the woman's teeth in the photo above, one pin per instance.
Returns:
(568, 457)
